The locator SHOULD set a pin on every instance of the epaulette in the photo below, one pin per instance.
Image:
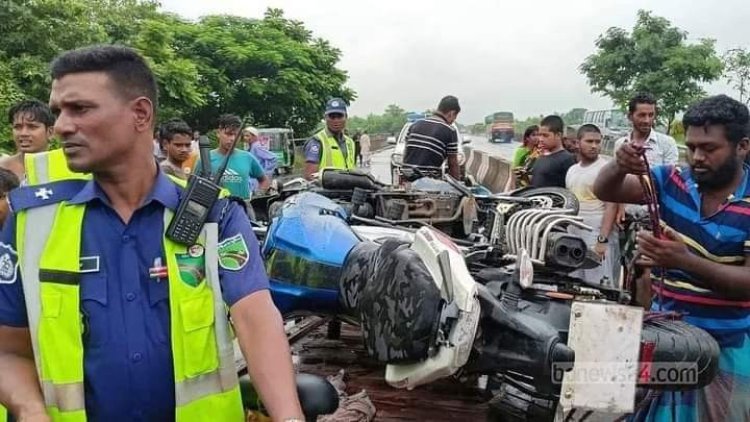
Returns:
(33, 196)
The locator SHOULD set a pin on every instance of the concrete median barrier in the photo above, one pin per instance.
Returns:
(490, 170)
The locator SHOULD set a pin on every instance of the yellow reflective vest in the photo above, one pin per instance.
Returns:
(331, 155)
(48, 240)
(49, 166)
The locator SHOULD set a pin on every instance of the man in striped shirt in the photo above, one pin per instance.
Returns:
(431, 141)
(705, 252)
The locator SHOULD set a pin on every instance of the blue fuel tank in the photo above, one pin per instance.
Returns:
(304, 251)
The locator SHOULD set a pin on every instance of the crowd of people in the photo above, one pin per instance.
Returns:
(551, 155)
(119, 186)
(250, 167)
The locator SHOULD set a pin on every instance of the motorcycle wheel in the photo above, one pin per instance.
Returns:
(687, 355)
(550, 197)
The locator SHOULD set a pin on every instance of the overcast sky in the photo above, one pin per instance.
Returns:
(518, 55)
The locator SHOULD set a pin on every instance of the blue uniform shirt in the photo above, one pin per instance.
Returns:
(128, 359)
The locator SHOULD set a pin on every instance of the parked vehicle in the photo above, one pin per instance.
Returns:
(613, 123)
(280, 142)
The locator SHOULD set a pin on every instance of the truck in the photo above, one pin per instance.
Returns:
(613, 123)
(500, 127)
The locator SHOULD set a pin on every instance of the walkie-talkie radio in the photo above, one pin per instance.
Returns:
(201, 194)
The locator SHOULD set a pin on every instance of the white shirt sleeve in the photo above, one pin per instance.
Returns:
(670, 155)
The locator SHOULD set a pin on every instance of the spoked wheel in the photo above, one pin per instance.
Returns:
(550, 197)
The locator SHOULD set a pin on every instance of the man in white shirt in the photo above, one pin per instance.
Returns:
(599, 215)
(662, 149)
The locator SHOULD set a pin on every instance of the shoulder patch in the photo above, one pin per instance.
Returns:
(33, 196)
(8, 264)
(233, 253)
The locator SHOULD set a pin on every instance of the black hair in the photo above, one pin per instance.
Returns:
(8, 181)
(449, 103)
(127, 69)
(640, 98)
(35, 109)
(173, 127)
(229, 121)
(587, 128)
(554, 123)
(530, 131)
(719, 110)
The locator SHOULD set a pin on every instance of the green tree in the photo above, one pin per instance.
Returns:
(737, 71)
(478, 128)
(35, 31)
(520, 125)
(574, 116)
(272, 70)
(654, 58)
(391, 121)
(394, 119)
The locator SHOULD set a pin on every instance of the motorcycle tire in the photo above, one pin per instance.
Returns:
(560, 197)
(687, 355)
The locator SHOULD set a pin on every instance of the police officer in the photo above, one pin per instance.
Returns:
(331, 147)
(101, 316)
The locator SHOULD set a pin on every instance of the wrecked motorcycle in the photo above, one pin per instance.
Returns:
(502, 309)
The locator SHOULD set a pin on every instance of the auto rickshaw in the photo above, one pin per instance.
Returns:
(279, 142)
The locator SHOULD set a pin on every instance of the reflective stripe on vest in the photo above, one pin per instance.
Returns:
(332, 156)
(206, 385)
(40, 168)
(52, 164)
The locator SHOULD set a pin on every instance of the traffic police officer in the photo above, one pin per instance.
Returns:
(101, 316)
(331, 147)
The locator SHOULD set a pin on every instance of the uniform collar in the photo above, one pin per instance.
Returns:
(164, 192)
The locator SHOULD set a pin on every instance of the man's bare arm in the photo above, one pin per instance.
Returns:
(732, 281)
(310, 169)
(609, 218)
(264, 183)
(453, 168)
(264, 344)
(614, 184)
(19, 384)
